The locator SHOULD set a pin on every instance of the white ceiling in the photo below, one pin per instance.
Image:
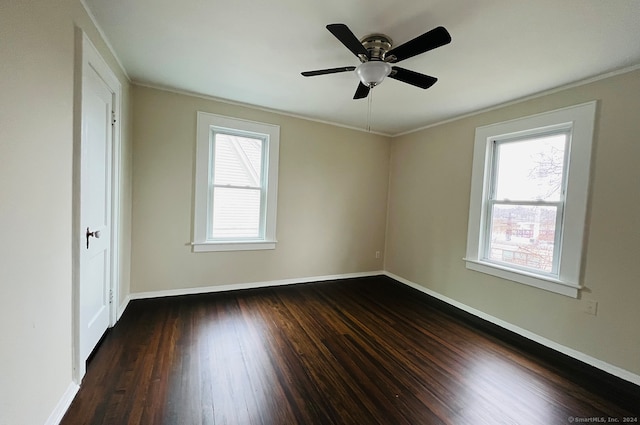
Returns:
(252, 51)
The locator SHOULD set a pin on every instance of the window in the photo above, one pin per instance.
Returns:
(525, 201)
(236, 184)
(528, 198)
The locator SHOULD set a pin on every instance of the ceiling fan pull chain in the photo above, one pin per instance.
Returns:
(370, 100)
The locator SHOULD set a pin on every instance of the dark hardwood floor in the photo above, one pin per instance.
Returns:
(361, 351)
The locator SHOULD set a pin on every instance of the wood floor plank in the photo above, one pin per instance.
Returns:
(359, 351)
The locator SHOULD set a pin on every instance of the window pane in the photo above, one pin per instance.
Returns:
(523, 236)
(530, 169)
(237, 160)
(236, 213)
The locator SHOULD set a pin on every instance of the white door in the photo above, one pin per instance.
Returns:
(95, 211)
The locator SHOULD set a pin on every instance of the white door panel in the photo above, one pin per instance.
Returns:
(95, 210)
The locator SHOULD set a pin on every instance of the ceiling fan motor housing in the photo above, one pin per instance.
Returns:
(377, 45)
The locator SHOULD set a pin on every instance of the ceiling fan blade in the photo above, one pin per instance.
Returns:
(328, 71)
(429, 40)
(346, 37)
(412, 77)
(361, 92)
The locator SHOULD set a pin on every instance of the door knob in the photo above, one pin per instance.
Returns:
(95, 234)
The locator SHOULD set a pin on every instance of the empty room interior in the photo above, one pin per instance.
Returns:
(285, 212)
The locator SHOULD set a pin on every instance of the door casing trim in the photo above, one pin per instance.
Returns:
(87, 55)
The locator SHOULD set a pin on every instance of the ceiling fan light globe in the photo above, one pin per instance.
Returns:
(373, 72)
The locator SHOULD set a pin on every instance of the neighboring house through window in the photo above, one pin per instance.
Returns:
(236, 184)
(529, 198)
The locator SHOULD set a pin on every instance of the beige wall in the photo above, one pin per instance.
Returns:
(428, 212)
(36, 148)
(332, 198)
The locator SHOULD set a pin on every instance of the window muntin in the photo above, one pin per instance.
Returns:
(525, 207)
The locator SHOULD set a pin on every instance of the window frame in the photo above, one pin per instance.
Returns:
(262, 187)
(579, 120)
(492, 200)
(206, 127)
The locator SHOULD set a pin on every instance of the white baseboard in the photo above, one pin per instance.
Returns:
(122, 307)
(61, 408)
(609, 368)
(250, 285)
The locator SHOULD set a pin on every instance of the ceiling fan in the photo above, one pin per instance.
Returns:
(376, 54)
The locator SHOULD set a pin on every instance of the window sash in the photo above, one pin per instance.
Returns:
(262, 188)
(492, 201)
(485, 249)
(214, 219)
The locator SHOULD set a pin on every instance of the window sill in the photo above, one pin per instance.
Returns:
(233, 246)
(542, 282)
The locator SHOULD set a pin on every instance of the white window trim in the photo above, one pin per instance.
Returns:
(204, 125)
(581, 118)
